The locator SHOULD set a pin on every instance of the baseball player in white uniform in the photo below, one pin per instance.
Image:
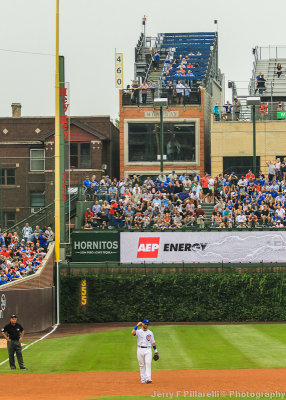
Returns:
(145, 339)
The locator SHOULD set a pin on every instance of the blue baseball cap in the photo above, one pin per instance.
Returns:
(146, 321)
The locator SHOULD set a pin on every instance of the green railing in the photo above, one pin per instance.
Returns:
(45, 216)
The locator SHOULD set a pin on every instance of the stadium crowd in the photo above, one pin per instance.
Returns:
(175, 201)
(23, 257)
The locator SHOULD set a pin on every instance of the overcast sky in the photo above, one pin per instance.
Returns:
(90, 30)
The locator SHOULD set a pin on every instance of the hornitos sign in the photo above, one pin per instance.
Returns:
(95, 247)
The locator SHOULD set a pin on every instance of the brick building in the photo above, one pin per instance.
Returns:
(27, 159)
(186, 119)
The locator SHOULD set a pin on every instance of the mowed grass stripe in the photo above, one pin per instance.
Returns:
(260, 348)
(210, 349)
(196, 347)
(180, 347)
(174, 348)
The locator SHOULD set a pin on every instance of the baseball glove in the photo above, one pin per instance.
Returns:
(156, 356)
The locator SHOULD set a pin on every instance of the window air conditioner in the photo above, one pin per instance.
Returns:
(35, 209)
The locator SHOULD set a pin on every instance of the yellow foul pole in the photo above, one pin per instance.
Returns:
(57, 142)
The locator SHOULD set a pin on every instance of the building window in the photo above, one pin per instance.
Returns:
(37, 160)
(80, 155)
(239, 165)
(179, 141)
(9, 219)
(7, 176)
(37, 199)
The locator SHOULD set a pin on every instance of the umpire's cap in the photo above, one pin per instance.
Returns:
(146, 321)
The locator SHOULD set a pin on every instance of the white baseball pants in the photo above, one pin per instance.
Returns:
(144, 357)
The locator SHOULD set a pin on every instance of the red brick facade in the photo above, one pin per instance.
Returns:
(184, 113)
(19, 135)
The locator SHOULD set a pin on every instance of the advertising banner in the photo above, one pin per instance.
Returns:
(281, 114)
(95, 246)
(202, 247)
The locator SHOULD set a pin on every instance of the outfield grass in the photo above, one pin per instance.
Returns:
(180, 347)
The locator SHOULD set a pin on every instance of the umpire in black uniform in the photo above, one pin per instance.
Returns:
(13, 333)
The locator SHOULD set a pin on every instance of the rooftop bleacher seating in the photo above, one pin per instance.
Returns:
(183, 44)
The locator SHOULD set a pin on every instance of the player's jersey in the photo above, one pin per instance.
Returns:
(145, 338)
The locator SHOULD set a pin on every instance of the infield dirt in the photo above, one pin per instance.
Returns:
(71, 386)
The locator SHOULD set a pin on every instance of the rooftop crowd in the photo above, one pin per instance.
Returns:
(23, 257)
(174, 201)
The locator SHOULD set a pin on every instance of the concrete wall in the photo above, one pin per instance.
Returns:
(35, 308)
(31, 298)
(229, 139)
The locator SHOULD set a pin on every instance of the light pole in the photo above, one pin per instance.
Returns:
(161, 103)
(253, 101)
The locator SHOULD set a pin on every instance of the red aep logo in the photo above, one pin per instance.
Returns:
(148, 247)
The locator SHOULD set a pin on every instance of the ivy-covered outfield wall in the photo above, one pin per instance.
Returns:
(173, 297)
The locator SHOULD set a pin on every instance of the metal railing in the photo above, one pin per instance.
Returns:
(45, 216)
(139, 47)
(268, 52)
(267, 111)
(145, 97)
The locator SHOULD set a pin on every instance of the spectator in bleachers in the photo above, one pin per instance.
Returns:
(205, 187)
(179, 92)
(170, 92)
(156, 61)
(187, 92)
(26, 231)
(200, 217)
(216, 112)
(135, 93)
(279, 70)
(127, 95)
(50, 235)
(144, 88)
(264, 109)
(173, 176)
(260, 83)
(43, 240)
(94, 186)
(161, 177)
(167, 60)
(87, 188)
(88, 216)
(112, 191)
(227, 113)
(278, 169)
(236, 108)
(271, 170)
